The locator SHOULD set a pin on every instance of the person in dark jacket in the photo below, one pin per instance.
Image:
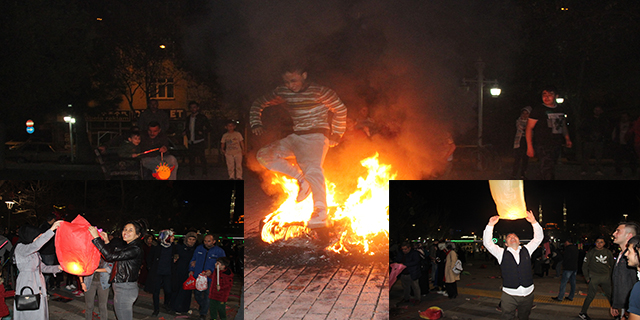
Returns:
(195, 129)
(182, 256)
(441, 261)
(160, 262)
(569, 270)
(155, 138)
(597, 266)
(128, 259)
(623, 277)
(633, 262)
(48, 253)
(411, 274)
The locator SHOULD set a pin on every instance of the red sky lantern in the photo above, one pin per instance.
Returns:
(76, 253)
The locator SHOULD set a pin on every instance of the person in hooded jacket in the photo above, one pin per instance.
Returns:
(31, 267)
(220, 289)
(160, 262)
(182, 254)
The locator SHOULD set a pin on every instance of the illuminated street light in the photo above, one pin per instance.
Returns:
(559, 100)
(162, 46)
(481, 81)
(9, 204)
(625, 216)
(70, 120)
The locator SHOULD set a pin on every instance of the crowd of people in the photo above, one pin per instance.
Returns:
(610, 268)
(148, 143)
(542, 131)
(428, 267)
(131, 260)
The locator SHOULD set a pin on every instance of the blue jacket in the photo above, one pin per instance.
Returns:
(208, 263)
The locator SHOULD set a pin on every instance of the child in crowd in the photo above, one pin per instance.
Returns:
(232, 146)
(4, 310)
(131, 147)
(219, 290)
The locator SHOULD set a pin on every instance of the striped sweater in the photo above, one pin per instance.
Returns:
(309, 109)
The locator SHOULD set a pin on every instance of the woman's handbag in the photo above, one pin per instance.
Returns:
(27, 301)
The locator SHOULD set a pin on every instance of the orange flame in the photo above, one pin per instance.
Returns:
(74, 268)
(360, 220)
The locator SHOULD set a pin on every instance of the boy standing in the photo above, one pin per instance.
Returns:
(131, 147)
(232, 146)
(220, 288)
(549, 123)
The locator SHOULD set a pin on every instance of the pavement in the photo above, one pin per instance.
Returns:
(142, 308)
(479, 291)
(297, 279)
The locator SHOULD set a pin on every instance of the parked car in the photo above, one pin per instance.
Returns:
(37, 151)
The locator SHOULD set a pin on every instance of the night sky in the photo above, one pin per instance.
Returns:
(179, 205)
(468, 205)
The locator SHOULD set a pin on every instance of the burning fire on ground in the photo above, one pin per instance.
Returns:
(360, 221)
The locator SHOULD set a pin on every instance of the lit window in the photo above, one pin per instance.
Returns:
(163, 89)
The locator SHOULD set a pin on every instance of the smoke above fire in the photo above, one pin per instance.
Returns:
(403, 60)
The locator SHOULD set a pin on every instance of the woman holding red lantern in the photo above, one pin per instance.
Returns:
(30, 269)
(128, 259)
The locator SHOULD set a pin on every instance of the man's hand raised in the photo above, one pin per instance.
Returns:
(530, 217)
(493, 220)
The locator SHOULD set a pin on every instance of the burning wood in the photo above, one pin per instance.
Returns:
(359, 221)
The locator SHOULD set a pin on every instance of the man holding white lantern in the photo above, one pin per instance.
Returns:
(515, 262)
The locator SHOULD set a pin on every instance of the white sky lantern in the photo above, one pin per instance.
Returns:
(509, 198)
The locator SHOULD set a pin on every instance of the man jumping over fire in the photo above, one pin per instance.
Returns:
(309, 105)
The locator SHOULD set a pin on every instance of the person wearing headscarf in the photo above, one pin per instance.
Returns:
(31, 267)
(160, 262)
(182, 255)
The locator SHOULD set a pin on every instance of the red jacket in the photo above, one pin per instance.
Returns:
(226, 282)
(4, 310)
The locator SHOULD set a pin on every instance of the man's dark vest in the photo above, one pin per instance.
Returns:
(513, 274)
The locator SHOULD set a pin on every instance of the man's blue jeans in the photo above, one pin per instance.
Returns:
(567, 275)
(202, 297)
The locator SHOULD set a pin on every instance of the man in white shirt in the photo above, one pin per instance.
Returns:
(515, 262)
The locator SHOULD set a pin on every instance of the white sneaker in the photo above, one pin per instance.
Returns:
(442, 292)
(318, 219)
(304, 190)
(445, 294)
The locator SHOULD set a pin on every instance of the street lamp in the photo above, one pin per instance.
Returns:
(9, 204)
(625, 216)
(480, 81)
(70, 120)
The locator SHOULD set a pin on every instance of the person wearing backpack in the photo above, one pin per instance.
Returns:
(450, 276)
